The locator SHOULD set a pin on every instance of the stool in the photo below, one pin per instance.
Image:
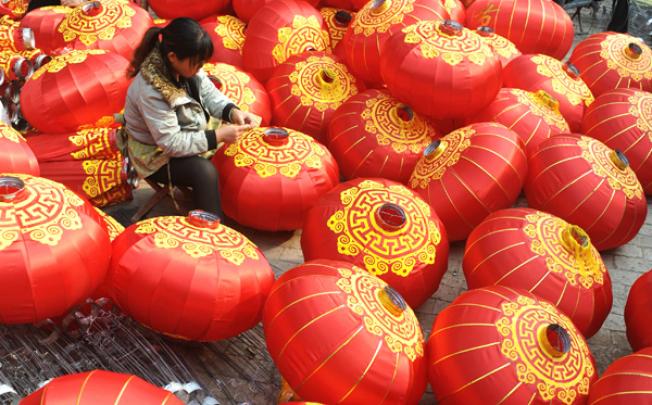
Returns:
(160, 193)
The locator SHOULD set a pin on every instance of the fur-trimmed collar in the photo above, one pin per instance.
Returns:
(156, 72)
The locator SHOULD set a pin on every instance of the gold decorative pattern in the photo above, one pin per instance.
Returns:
(485, 16)
(10, 134)
(575, 90)
(101, 176)
(550, 116)
(198, 242)
(17, 7)
(598, 156)
(91, 143)
(100, 27)
(234, 84)
(384, 251)
(433, 168)
(582, 267)
(304, 34)
(613, 50)
(268, 159)
(501, 46)
(112, 226)
(335, 31)
(556, 378)
(313, 91)
(58, 63)
(232, 32)
(382, 120)
(401, 333)
(46, 211)
(370, 21)
(641, 109)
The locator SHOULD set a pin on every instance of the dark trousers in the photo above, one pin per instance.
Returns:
(619, 19)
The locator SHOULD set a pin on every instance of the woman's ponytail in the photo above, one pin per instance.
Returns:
(150, 40)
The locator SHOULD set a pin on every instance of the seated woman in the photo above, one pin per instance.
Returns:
(168, 107)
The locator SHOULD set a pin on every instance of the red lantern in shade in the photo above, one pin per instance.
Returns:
(91, 143)
(170, 9)
(455, 71)
(622, 119)
(559, 80)
(228, 36)
(43, 219)
(76, 88)
(535, 117)
(306, 90)
(543, 27)
(384, 228)
(113, 227)
(15, 154)
(626, 381)
(100, 387)
(44, 22)
(609, 61)
(531, 250)
(241, 88)
(190, 278)
(337, 22)
(281, 29)
(584, 182)
(469, 174)
(502, 47)
(494, 345)
(374, 135)
(375, 23)
(15, 9)
(637, 313)
(272, 176)
(341, 335)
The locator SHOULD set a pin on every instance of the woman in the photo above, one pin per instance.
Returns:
(168, 107)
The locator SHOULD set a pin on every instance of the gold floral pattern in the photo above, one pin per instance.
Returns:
(234, 84)
(101, 176)
(641, 109)
(58, 63)
(613, 50)
(501, 46)
(90, 28)
(370, 20)
(573, 89)
(335, 30)
(91, 143)
(112, 226)
(232, 32)
(540, 106)
(10, 134)
(304, 34)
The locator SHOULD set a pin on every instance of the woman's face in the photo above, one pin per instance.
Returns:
(183, 67)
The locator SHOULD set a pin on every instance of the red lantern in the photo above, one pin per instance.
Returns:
(49, 237)
(584, 182)
(197, 10)
(374, 135)
(245, 9)
(15, 154)
(626, 381)
(609, 60)
(190, 278)
(307, 89)
(337, 22)
(340, 335)
(455, 71)
(100, 387)
(14, 66)
(242, 88)
(456, 10)
(74, 89)
(113, 227)
(543, 27)
(375, 23)
(384, 228)
(272, 176)
(535, 117)
(228, 36)
(530, 250)
(15, 9)
(637, 313)
(44, 22)
(91, 143)
(469, 174)
(622, 119)
(561, 81)
(281, 29)
(494, 345)
(502, 47)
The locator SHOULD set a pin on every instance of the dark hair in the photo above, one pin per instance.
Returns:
(183, 36)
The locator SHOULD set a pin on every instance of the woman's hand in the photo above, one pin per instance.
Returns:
(239, 117)
(231, 133)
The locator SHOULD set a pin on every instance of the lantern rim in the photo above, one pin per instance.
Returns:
(11, 188)
(343, 18)
(633, 50)
(571, 70)
(485, 30)
(28, 38)
(22, 68)
(404, 112)
(392, 301)
(391, 217)
(451, 27)
(561, 344)
(435, 149)
(276, 136)
(92, 8)
(575, 238)
(619, 159)
(203, 219)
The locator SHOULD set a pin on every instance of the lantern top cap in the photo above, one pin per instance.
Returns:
(554, 340)
(485, 30)
(405, 112)
(391, 217)
(343, 18)
(575, 238)
(28, 38)
(633, 50)
(451, 27)
(379, 6)
(203, 219)
(11, 188)
(91, 8)
(619, 159)
(392, 301)
(572, 70)
(276, 135)
(435, 149)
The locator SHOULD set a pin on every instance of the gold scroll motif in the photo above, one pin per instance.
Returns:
(371, 21)
(575, 90)
(232, 32)
(613, 49)
(100, 27)
(58, 63)
(304, 34)
(234, 84)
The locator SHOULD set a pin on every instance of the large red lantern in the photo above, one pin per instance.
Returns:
(337, 22)
(281, 29)
(272, 176)
(637, 313)
(375, 135)
(90, 143)
(559, 80)
(502, 47)
(499, 345)
(384, 228)
(15, 154)
(609, 60)
(543, 27)
(44, 22)
(375, 23)
(622, 119)
(584, 182)
(455, 71)
(471, 173)
(43, 219)
(341, 335)
(531, 250)
(626, 381)
(307, 89)
(191, 278)
(197, 10)
(535, 117)
(228, 36)
(241, 88)
(74, 89)
(100, 387)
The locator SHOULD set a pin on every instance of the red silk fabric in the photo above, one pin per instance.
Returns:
(91, 143)
(44, 22)
(502, 47)
(228, 35)
(15, 154)
(337, 23)
(197, 10)
(637, 313)
(626, 381)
